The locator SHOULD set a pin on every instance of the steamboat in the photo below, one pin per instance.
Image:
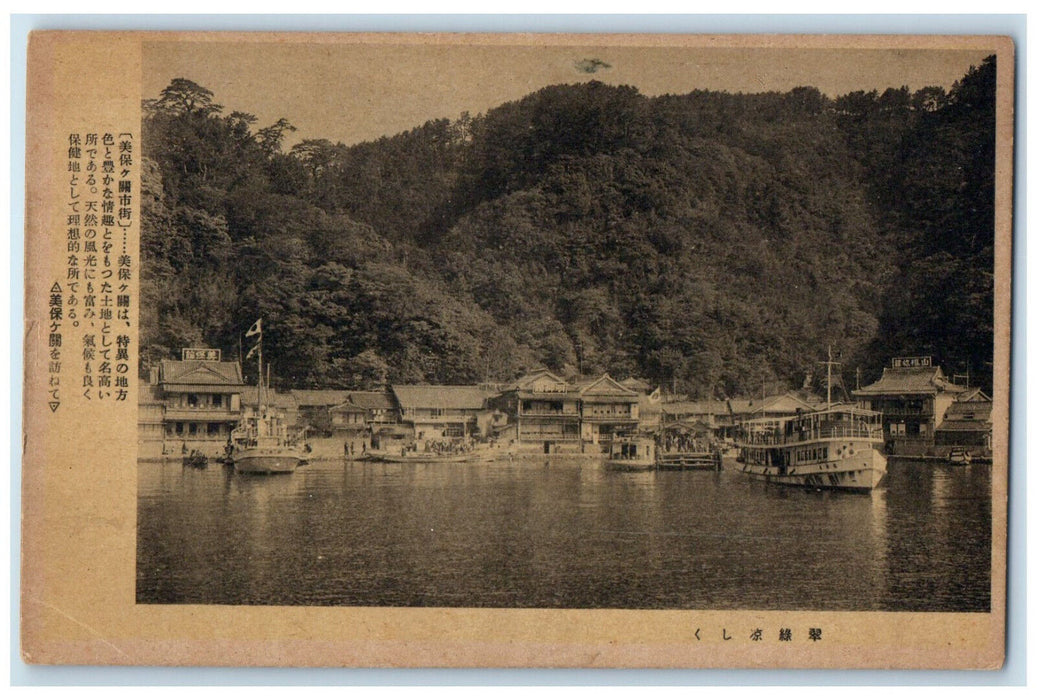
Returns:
(837, 447)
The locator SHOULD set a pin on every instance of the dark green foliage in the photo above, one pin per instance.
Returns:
(710, 241)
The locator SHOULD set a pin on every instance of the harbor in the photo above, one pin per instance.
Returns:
(560, 532)
(201, 406)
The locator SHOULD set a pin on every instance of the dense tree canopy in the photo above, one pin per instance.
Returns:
(711, 241)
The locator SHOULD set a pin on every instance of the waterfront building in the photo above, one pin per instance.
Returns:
(379, 407)
(607, 409)
(733, 412)
(966, 424)
(312, 407)
(443, 412)
(201, 396)
(150, 426)
(348, 420)
(543, 412)
(913, 396)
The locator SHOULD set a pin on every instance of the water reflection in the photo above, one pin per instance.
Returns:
(542, 533)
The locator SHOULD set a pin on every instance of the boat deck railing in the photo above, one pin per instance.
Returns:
(827, 432)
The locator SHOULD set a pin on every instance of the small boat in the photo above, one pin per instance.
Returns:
(196, 459)
(410, 457)
(263, 446)
(959, 456)
(632, 454)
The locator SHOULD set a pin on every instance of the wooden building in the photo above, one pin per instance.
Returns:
(201, 399)
(442, 412)
(543, 413)
(607, 409)
(913, 397)
(966, 424)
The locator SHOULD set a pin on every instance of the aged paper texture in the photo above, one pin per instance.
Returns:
(517, 350)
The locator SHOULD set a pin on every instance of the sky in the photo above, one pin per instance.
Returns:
(353, 92)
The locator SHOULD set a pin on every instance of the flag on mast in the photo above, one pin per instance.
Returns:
(256, 329)
(252, 351)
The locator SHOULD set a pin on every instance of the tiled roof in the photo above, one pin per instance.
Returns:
(372, 400)
(250, 397)
(910, 380)
(636, 384)
(320, 397)
(963, 425)
(525, 381)
(975, 395)
(959, 409)
(199, 372)
(684, 408)
(347, 407)
(439, 396)
(782, 403)
(604, 386)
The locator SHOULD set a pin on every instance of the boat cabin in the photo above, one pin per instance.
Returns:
(834, 422)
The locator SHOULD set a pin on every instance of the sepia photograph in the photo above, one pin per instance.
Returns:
(517, 350)
(566, 327)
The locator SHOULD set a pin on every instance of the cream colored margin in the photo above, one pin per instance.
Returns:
(79, 469)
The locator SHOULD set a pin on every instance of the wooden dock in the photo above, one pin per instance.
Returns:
(707, 461)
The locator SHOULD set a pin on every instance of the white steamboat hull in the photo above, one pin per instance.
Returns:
(266, 460)
(860, 473)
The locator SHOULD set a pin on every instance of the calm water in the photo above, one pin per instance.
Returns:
(561, 534)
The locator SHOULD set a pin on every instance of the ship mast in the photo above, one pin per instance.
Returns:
(829, 364)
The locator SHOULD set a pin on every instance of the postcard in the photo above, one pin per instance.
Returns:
(517, 350)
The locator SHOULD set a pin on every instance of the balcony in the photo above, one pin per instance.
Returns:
(201, 413)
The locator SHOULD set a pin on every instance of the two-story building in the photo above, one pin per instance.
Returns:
(543, 413)
(913, 396)
(442, 412)
(202, 399)
(313, 409)
(607, 409)
(966, 424)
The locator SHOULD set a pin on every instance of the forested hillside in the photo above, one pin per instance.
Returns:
(711, 241)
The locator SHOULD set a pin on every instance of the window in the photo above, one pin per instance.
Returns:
(217, 400)
(179, 428)
(213, 429)
(192, 400)
(192, 428)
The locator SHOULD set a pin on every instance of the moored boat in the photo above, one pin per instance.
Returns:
(833, 448)
(415, 457)
(632, 454)
(263, 445)
(959, 456)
